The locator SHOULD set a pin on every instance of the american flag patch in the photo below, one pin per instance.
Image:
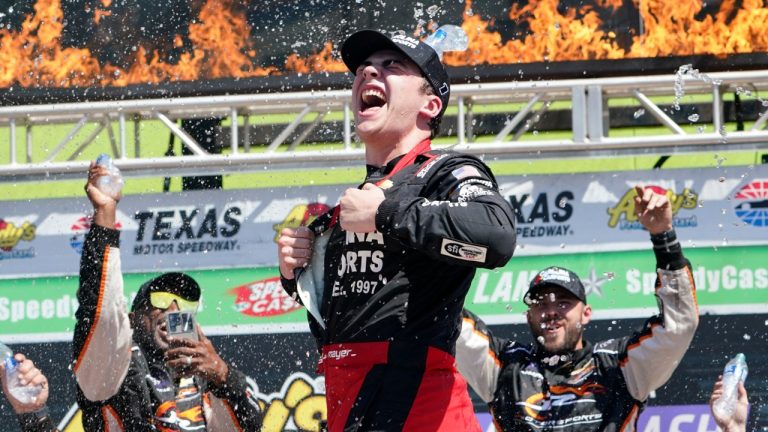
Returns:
(466, 171)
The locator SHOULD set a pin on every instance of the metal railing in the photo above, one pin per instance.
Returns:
(587, 99)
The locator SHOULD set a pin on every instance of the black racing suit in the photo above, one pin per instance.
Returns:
(601, 387)
(120, 389)
(385, 306)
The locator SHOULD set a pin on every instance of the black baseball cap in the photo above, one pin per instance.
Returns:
(174, 283)
(559, 277)
(360, 45)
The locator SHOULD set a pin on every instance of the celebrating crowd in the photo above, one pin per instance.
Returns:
(383, 277)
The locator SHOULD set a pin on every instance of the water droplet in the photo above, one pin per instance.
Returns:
(747, 337)
(540, 339)
(721, 179)
(693, 118)
(639, 113)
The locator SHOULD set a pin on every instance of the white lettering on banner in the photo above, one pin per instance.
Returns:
(504, 290)
(20, 310)
(680, 423)
(707, 280)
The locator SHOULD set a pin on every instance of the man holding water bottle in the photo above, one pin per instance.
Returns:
(152, 368)
(30, 403)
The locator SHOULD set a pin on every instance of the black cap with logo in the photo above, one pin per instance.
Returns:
(358, 47)
(175, 283)
(559, 277)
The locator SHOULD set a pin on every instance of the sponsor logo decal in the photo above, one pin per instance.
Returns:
(463, 251)
(263, 298)
(538, 406)
(423, 172)
(300, 215)
(11, 235)
(753, 203)
(624, 217)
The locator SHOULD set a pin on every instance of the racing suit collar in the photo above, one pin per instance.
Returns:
(557, 361)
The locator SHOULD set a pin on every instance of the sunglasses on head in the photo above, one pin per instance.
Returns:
(163, 300)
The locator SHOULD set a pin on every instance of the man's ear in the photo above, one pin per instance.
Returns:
(432, 106)
(586, 315)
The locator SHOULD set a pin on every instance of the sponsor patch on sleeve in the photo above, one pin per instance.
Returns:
(465, 172)
(468, 192)
(463, 251)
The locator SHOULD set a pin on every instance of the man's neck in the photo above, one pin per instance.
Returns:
(380, 152)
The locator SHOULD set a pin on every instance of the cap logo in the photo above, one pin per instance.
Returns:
(555, 274)
(405, 40)
(443, 90)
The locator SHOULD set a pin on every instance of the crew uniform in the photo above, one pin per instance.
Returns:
(385, 306)
(119, 389)
(602, 387)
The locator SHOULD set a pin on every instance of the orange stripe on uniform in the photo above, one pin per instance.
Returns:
(484, 336)
(105, 411)
(628, 424)
(637, 344)
(693, 288)
(102, 283)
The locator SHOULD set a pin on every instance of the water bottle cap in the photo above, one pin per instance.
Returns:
(104, 160)
(741, 357)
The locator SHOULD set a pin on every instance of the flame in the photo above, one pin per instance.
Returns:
(323, 61)
(672, 29)
(33, 56)
(221, 47)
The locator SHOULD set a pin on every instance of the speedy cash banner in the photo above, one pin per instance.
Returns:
(619, 284)
(555, 214)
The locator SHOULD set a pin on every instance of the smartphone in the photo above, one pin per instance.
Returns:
(181, 324)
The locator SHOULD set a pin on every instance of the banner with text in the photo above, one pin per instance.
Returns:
(619, 285)
(556, 214)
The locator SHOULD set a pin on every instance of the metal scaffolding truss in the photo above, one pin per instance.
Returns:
(588, 100)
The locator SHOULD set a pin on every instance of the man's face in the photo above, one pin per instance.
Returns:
(387, 97)
(557, 319)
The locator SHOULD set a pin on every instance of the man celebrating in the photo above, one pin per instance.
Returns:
(131, 375)
(565, 383)
(391, 264)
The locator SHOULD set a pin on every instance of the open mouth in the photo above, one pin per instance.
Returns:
(372, 98)
(550, 327)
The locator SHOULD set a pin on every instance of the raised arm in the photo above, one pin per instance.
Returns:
(103, 336)
(464, 219)
(477, 355)
(649, 357)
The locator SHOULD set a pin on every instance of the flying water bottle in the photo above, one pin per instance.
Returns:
(448, 37)
(23, 393)
(112, 183)
(735, 371)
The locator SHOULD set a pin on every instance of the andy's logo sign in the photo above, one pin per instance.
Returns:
(624, 212)
(11, 235)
